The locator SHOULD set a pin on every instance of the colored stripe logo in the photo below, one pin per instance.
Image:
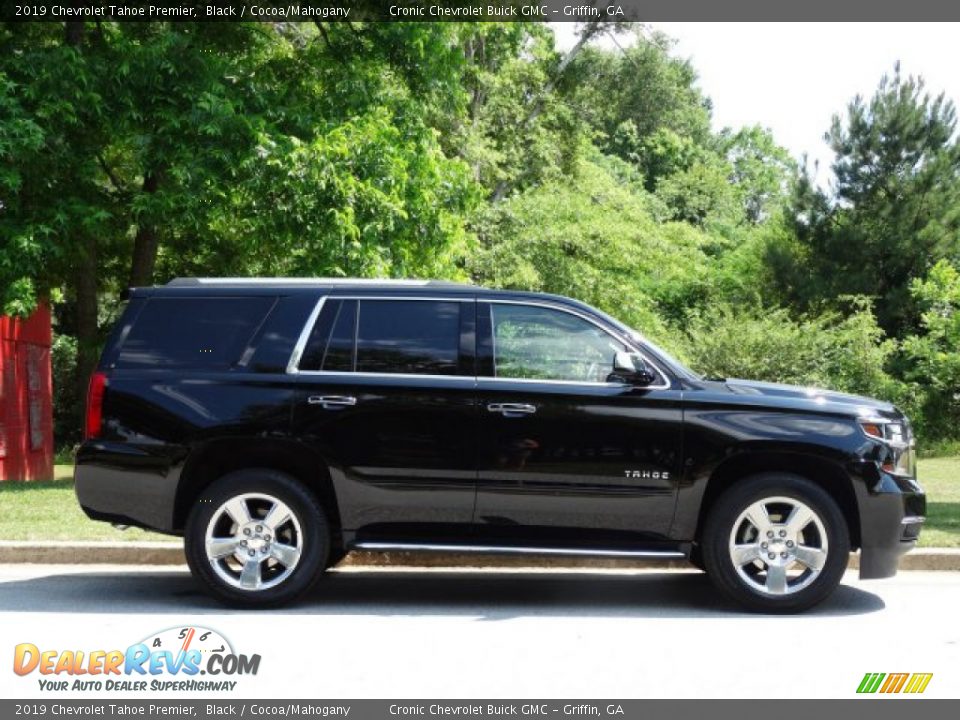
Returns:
(912, 683)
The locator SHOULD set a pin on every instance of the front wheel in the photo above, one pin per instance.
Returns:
(257, 538)
(776, 542)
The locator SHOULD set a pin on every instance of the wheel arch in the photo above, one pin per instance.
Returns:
(216, 458)
(823, 472)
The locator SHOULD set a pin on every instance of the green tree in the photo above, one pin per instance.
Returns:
(634, 92)
(893, 209)
(592, 236)
(761, 170)
(133, 152)
(934, 354)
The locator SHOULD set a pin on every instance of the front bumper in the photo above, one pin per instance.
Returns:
(892, 510)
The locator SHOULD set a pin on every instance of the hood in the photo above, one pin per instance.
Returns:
(825, 399)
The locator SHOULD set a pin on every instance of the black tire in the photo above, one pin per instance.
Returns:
(313, 537)
(809, 589)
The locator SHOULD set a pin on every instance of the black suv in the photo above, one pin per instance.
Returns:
(278, 424)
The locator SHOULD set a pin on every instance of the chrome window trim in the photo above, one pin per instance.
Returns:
(533, 381)
(665, 385)
(293, 366)
(350, 374)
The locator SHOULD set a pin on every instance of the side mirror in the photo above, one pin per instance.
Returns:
(631, 368)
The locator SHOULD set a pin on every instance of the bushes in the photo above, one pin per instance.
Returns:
(845, 353)
(67, 407)
(932, 358)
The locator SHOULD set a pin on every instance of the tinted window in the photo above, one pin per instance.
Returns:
(340, 355)
(192, 332)
(419, 337)
(331, 342)
(541, 343)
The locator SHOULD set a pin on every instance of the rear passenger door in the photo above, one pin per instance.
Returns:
(386, 395)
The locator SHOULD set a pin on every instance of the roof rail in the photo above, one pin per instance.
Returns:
(318, 281)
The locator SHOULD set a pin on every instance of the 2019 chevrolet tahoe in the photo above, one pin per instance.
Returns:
(276, 424)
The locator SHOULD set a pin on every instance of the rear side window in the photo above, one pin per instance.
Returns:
(331, 343)
(207, 333)
(413, 337)
(420, 337)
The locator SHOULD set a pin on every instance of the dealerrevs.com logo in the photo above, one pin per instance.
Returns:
(889, 683)
(170, 660)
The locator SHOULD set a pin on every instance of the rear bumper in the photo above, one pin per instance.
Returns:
(892, 511)
(128, 488)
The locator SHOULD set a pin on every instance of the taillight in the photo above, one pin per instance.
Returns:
(98, 383)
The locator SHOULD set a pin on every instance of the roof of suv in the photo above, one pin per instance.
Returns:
(259, 286)
(307, 284)
(311, 282)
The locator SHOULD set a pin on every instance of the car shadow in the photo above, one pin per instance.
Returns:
(485, 596)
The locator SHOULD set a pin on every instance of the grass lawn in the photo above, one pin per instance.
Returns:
(49, 510)
(940, 478)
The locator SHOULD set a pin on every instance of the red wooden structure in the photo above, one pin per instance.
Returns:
(26, 407)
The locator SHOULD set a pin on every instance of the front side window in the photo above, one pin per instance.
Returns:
(539, 343)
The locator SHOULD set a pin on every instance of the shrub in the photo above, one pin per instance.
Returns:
(934, 357)
(67, 406)
(846, 353)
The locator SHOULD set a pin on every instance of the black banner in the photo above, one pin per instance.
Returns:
(531, 709)
(475, 10)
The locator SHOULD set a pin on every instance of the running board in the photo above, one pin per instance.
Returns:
(517, 550)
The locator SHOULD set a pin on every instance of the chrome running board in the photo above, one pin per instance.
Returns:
(517, 550)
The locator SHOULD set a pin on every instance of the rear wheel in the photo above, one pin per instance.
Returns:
(257, 538)
(776, 542)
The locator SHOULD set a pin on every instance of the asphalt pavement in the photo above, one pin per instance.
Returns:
(509, 634)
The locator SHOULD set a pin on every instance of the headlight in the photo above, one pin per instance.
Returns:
(890, 432)
(898, 457)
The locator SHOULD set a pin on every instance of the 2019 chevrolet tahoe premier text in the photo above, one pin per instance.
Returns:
(278, 424)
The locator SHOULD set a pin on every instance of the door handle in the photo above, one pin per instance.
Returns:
(332, 402)
(511, 410)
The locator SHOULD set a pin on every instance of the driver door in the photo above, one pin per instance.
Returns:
(566, 456)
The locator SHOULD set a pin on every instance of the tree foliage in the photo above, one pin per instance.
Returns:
(934, 354)
(132, 153)
(895, 206)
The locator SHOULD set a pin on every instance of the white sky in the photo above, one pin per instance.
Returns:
(792, 77)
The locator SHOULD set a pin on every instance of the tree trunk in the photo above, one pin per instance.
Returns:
(146, 243)
(589, 31)
(87, 308)
(74, 33)
(88, 335)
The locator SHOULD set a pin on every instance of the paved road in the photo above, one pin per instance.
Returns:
(509, 634)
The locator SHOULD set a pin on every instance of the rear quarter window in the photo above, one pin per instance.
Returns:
(208, 333)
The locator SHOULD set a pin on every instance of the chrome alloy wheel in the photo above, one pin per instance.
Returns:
(778, 546)
(254, 541)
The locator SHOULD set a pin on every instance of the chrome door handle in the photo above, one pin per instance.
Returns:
(331, 402)
(512, 409)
